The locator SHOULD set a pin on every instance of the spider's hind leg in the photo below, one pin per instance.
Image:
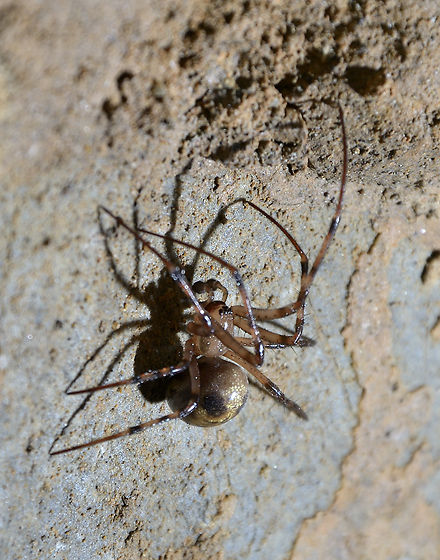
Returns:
(190, 363)
(137, 379)
(273, 390)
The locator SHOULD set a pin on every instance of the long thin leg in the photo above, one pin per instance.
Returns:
(107, 372)
(152, 375)
(307, 280)
(192, 404)
(278, 340)
(303, 256)
(268, 385)
(303, 342)
(212, 327)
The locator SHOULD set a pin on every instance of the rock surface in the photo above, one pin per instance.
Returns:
(168, 113)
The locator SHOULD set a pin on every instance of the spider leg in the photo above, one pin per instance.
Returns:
(306, 279)
(276, 340)
(303, 256)
(227, 339)
(268, 385)
(109, 337)
(303, 342)
(190, 406)
(108, 370)
(137, 379)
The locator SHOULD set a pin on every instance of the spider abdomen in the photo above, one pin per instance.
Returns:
(224, 389)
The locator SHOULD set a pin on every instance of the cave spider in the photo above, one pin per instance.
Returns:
(216, 389)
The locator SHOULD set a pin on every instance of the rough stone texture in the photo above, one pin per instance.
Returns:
(168, 112)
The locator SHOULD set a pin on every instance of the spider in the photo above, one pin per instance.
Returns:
(216, 388)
